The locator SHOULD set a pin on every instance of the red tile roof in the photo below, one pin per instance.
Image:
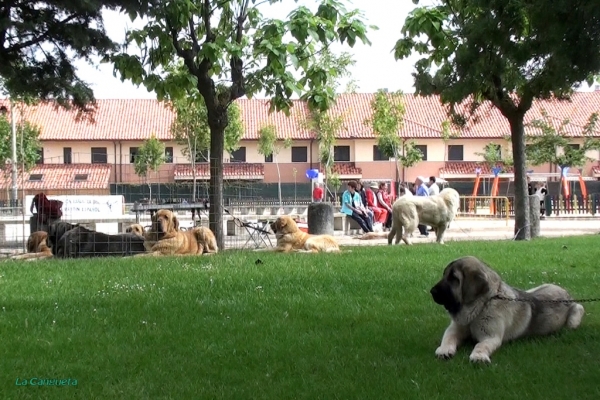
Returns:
(131, 119)
(255, 114)
(470, 168)
(61, 177)
(232, 171)
(344, 169)
(138, 119)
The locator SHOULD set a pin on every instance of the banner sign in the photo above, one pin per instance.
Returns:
(85, 206)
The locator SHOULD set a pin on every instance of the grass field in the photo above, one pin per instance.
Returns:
(361, 325)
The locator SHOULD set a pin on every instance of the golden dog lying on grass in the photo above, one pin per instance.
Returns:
(165, 238)
(291, 238)
(136, 229)
(37, 247)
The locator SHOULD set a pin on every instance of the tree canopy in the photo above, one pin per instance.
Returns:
(269, 145)
(387, 121)
(40, 40)
(553, 145)
(507, 53)
(230, 50)
(150, 156)
(28, 143)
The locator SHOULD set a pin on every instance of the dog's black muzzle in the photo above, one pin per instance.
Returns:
(442, 295)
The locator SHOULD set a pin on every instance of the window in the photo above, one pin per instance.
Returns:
(423, 149)
(168, 155)
(133, 152)
(378, 155)
(35, 177)
(40, 156)
(299, 154)
(81, 177)
(239, 155)
(99, 155)
(202, 156)
(574, 146)
(341, 153)
(67, 155)
(269, 158)
(455, 152)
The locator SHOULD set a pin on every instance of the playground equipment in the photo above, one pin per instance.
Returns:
(494, 190)
(475, 188)
(495, 185)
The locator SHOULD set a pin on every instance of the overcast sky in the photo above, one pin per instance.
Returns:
(375, 65)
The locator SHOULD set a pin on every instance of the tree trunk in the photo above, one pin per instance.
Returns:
(193, 156)
(194, 182)
(517, 134)
(397, 157)
(278, 182)
(217, 121)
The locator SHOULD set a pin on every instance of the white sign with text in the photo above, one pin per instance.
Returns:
(85, 206)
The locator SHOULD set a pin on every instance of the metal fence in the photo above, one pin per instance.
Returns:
(497, 207)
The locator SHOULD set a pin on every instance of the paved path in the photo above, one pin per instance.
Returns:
(482, 229)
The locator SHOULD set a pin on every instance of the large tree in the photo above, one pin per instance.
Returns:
(232, 50)
(40, 40)
(507, 53)
(190, 126)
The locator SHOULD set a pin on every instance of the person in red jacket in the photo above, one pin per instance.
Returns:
(385, 201)
(317, 193)
(380, 212)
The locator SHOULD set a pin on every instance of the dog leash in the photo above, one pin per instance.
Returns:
(591, 300)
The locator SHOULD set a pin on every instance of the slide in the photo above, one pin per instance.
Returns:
(494, 193)
(475, 190)
(583, 187)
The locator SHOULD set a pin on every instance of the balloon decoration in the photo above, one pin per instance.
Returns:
(312, 173)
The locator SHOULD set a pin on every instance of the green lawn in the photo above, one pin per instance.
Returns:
(361, 325)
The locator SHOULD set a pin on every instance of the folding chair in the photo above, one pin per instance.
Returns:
(256, 229)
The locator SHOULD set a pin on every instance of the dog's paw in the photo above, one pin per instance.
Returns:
(445, 352)
(479, 357)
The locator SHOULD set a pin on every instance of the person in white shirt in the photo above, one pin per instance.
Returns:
(433, 187)
(407, 191)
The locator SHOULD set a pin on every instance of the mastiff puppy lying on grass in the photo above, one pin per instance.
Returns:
(484, 308)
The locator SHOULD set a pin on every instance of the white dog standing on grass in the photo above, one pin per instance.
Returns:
(437, 211)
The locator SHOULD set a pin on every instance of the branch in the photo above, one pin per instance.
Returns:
(498, 99)
(526, 102)
(187, 55)
(44, 35)
(236, 64)
(205, 64)
(195, 45)
(322, 49)
(219, 5)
